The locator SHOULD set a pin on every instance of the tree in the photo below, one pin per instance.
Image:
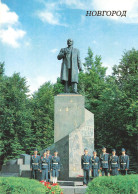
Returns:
(91, 81)
(43, 116)
(126, 75)
(1, 70)
(15, 116)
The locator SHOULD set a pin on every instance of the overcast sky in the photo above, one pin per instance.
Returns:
(33, 31)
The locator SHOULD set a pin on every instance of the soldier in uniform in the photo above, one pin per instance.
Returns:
(86, 166)
(55, 166)
(44, 166)
(95, 164)
(34, 164)
(124, 162)
(50, 158)
(114, 163)
(104, 160)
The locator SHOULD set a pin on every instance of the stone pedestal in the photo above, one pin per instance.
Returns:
(68, 114)
(73, 131)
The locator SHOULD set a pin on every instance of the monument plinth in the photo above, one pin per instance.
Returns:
(73, 131)
(68, 114)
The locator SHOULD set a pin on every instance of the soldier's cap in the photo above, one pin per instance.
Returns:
(94, 151)
(44, 151)
(85, 149)
(123, 150)
(47, 149)
(113, 150)
(103, 147)
(35, 150)
(55, 151)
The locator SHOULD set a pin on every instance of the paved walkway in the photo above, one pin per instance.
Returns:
(74, 189)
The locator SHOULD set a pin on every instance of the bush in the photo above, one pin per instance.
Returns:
(16, 185)
(114, 184)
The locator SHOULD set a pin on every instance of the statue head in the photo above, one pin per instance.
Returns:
(69, 42)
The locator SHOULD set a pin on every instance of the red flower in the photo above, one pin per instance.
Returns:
(54, 184)
(42, 182)
(49, 187)
(47, 183)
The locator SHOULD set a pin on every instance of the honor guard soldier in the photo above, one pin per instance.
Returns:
(50, 158)
(95, 164)
(35, 160)
(114, 163)
(55, 166)
(86, 166)
(44, 166)
(104, 160)
(124, 162)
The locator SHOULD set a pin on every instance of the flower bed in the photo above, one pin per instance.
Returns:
(18, 185)
(52, 189)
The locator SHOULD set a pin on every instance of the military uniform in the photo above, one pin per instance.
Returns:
(35, 160)
(124, 163)
(114, 164)
(50, 158)
(86, 166)
(104, 160)
(95, 166)
(55, 166)
(45, 167)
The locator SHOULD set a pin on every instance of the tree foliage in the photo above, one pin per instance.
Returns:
(43, 116)
(15, 116)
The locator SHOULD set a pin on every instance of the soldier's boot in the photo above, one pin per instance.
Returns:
(74, 87)
(55, 179)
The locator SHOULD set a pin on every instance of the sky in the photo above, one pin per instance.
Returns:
(32, 32)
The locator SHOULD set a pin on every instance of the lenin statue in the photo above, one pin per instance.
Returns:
(70, 64)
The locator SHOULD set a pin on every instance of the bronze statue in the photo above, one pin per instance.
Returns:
(70, 64)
